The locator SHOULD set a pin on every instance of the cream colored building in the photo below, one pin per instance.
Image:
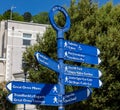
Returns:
(15, 36)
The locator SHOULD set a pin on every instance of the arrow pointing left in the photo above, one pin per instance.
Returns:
(21, 98)
(46, 61)
(35, 88)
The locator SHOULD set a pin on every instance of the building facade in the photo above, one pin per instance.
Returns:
(15, 36)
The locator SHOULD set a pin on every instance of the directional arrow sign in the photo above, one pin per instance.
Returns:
(82, 71)
(46, 61)
(77, 57)
(76, 96)
(81, 81)
(81, 48)
(18, 98)
(27, 87)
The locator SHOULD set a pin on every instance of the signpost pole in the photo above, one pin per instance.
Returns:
(60, 53)
(60, 46)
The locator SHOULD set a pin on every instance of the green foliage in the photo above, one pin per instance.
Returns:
(27, 17)
(16, 16)
(93, 25)
(38, 73)
(6, 14)
(41, 18)
(1, 17)
(5, 104)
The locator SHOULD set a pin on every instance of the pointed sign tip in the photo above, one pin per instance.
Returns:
(99, 61)
(9, 86)
(100, 83)
(10, 97)
(88, 92)
(98, 51)
(100, 74)
(36, 54)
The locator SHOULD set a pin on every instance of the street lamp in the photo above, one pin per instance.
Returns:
(12, 7)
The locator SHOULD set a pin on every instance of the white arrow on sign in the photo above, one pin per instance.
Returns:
(82, 81)
(76, 96)
(10, 97)
(9, 86)
(99, 73)
(81, 48)
(82, 71)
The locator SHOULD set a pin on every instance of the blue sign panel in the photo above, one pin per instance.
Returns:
(76, 96)
(77, 57)
(81, 81)
(18, 98)
(27, 87)
(46, 61)
(81, 48)
(82, 71)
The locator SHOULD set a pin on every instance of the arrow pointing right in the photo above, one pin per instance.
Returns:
(81, 81)
(76, 96)
(82, 71)
(78, 57)
(81, 48)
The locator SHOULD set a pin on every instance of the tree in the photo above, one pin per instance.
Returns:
(1, 17)
(27, 17)
(5, 104)
(41, 18)
(96, 26)
(16, 16)
(6, 14)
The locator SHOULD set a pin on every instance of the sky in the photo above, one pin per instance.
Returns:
(37, 6)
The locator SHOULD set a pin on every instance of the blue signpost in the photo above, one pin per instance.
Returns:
(60, 45)
(76, 96)
(35, 88)
(46, 61)
(22, 98)
(81, 48)
(78, 57)
(52, 100)
(82, 71)
(82, 81)
(54, 94)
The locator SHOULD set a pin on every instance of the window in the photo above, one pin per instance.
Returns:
(26, 39)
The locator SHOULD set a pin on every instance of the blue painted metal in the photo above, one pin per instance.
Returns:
(77, 57)
(82, 71)
(60, 44)
(21, 98)
(60, 30)
(46, 61)
(35, 88)
(77, 96)
(81, 48)
(82, 81)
